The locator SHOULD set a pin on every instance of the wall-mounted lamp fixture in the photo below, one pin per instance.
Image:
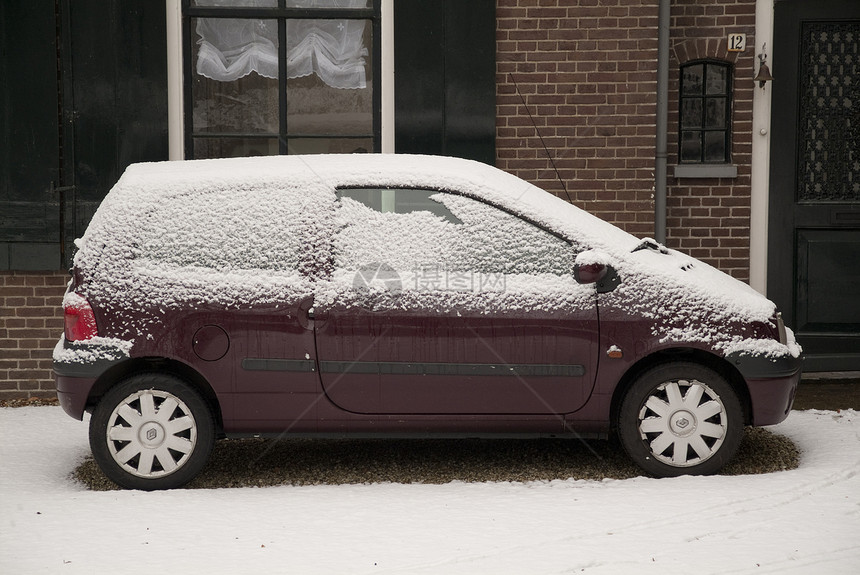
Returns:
(763, 71)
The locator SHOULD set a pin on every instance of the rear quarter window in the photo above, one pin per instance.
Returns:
(236, 230)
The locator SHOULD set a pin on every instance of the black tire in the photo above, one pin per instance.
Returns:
(680, 419)
(152, 431)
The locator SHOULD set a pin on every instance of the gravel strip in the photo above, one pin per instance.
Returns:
(30, 401)
(269, 462)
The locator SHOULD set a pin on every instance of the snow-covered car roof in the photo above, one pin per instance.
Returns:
(330, 171)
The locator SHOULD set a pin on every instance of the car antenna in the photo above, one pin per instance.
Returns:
(548, 155)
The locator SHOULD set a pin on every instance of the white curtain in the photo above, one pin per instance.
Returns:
(231, 48)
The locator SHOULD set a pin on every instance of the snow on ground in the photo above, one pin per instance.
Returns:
(801, 521)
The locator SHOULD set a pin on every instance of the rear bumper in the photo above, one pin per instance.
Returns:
(76, 369)
(73, 392)
(772, 384)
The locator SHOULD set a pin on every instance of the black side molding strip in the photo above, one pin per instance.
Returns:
(300, 365)
(406, 368)
(462, 369)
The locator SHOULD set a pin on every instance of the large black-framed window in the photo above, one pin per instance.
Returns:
(265, 77)
(705, 113)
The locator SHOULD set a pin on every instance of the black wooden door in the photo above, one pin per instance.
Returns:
(814, 228)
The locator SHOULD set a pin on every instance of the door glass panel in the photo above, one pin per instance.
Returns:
(405, 230)
(829, 112)
(400, 201)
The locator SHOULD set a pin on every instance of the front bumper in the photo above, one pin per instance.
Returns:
(772, 384)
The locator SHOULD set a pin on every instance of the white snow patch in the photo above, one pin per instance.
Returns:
(801, 521)
(92, 350)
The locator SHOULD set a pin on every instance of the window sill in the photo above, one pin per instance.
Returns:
(706, 171)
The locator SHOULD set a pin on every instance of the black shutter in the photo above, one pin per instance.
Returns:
(29, 151)
(83, 92)
(444, 67)
(119, 101)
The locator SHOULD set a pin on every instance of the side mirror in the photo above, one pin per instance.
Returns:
(589, 273)
(593, 267)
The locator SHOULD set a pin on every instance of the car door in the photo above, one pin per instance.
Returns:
(441, 304)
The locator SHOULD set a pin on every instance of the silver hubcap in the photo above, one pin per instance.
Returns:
(683, 423)
(151, 433)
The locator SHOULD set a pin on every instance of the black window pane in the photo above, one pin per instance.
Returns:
(692, 79)
(238, 3)
(715, 146)
(234, 147)
(691, 113)
(691, 146)
(330, 145)
(715, 113)
(338, 102)
(340, 4)
(717, 82)
(246, 104)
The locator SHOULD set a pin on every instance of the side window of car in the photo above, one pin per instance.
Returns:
(239, 230)
(411, 230)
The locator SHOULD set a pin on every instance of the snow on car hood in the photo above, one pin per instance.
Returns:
(693, 302)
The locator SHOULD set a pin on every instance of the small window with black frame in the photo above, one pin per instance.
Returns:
(266, 77)
(705, 113)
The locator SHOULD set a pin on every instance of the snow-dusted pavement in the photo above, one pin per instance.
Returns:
(801, 521)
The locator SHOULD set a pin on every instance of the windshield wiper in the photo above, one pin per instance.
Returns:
(649, 244)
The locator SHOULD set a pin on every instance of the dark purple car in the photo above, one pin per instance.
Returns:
(394, 295)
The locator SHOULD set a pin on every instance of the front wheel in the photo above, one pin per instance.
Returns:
(152, 431)
(680, 419)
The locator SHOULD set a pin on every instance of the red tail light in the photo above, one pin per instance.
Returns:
(80, 322)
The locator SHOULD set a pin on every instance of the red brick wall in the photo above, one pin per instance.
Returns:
(31, 321)
(587, 70)
(710, 218)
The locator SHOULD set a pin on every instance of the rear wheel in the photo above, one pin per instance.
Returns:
(152, 431)
(681, 419)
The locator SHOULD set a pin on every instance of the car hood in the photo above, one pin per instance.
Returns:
(691, 302)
